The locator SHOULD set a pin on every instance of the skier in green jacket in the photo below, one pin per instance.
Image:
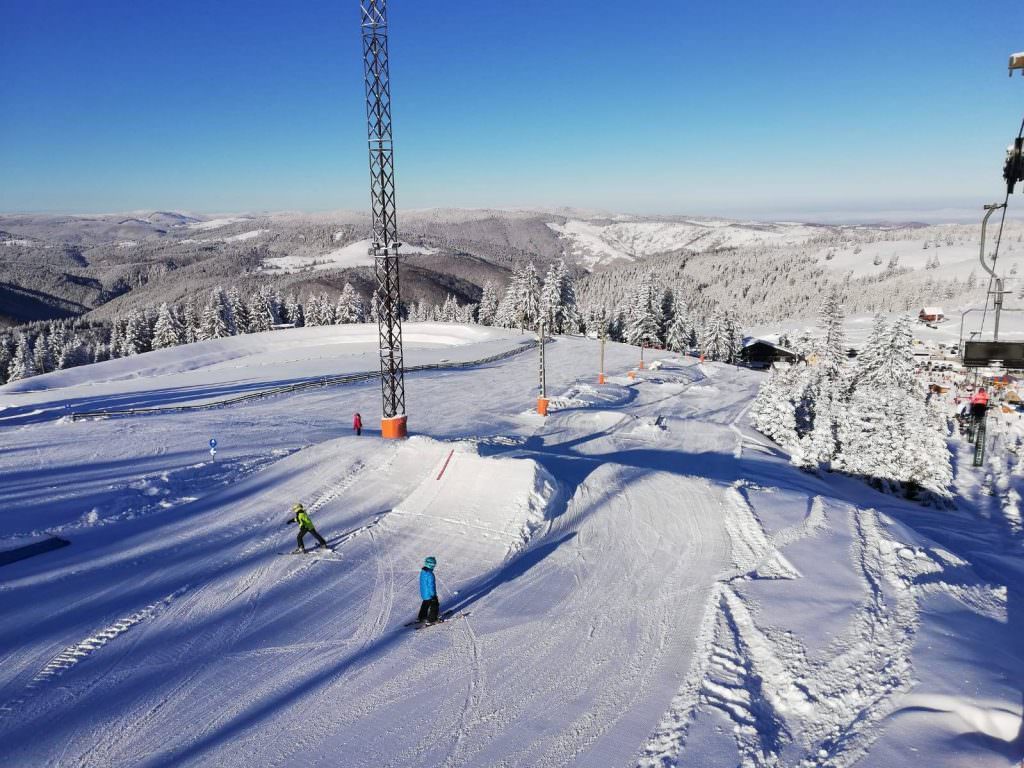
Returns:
(300, 516)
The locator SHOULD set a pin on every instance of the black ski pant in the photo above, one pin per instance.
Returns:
(429, 609)
(302, 535)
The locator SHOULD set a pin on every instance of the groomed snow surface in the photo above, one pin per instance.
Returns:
(639, 579)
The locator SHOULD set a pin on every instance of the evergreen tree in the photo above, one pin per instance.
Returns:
(214, 324)
(679, 333)
(41, 358)
(135, 339)
(350, 306)
(239, 311)
(449, 311)
(191, 323)
(528, 298)
(772, 412)
(716, 342)
(6, 353)
(293, 310)
(644, 321)
(168, 331)
(488, 305)
(818, 447)
(668, 315)
(832, 348)
(74, 353)
(22, 365)
(56, 341)
(888, 358)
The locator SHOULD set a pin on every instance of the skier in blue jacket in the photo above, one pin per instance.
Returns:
(428, 591)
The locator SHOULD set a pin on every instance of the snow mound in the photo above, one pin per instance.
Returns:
(500, 500)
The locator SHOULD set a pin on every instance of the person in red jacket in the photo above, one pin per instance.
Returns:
(979, 403)
(357, 424)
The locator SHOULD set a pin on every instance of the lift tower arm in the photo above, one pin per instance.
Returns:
(384, 236)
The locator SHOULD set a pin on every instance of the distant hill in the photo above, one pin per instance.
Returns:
(52, 266)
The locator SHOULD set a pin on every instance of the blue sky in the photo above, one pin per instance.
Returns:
(670, 106)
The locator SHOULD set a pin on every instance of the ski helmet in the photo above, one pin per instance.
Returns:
(430, 562)
(297, 507)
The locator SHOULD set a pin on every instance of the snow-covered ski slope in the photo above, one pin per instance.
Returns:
(647, 581)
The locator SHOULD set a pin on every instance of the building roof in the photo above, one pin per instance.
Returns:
(747, 343)
(931, 311)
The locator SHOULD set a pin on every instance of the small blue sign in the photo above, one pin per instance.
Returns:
(213, 442)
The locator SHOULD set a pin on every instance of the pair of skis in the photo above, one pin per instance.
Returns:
(444, 617)
(317, 553)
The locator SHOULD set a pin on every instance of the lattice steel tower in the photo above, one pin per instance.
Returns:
(384, 237)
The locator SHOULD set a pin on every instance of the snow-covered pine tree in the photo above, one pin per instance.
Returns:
(528, 298)
(678, 333)
(136, 338)
(214, 324)
(349, 308)
(927, 457)
(239, 311)
(293, 310)
(715, 339)
(551, 301)
(488, 304)
(327, 313)
(190, 322)
(558, 300)
(668, 314)
(22, 365)
(74, 353)
(733, 338)
(643, 322)
(6, 352)
(772, 412)
(220, 297)
(41, 358)
(832, 348)
(871, 439)
(168, 331)
(505, 315)
(888, 358)
(449, 311)
(818, 447)
(56, 341)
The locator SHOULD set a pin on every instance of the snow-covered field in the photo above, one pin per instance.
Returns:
(355, 254)
(600, 243)
(641, 579)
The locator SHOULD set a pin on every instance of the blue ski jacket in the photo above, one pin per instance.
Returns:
(428, 587)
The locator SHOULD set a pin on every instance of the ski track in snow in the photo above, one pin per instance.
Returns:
(789, 709)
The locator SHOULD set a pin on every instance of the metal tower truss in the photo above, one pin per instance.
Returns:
(384, 236)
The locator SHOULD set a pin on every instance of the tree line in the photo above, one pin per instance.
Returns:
(649, 316)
